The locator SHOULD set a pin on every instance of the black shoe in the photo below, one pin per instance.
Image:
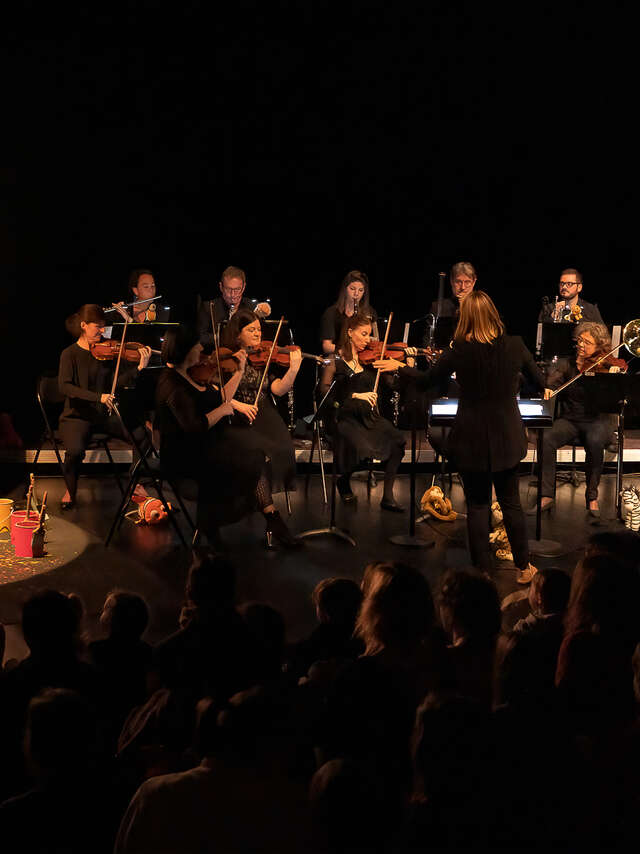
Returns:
(593, 514)
(277, 530)
(531, 511)
(392, 505)
(344, 488)
(68, 505)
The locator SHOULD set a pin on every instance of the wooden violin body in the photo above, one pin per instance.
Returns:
(108, 349)
(206, 371)
(373, 352)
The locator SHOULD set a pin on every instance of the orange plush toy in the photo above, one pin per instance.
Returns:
(150, 511)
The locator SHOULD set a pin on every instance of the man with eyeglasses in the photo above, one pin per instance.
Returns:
(570, 307)
(232, 285)
(463, 278)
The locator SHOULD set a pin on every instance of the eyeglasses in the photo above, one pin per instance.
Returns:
(232, 290)
(569, 284)
(585, 342)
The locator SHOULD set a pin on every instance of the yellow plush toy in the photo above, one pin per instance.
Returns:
(434, 502)
(498, 537)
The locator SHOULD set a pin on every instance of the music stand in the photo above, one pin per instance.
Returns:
(613, 393)
(557, 340)
(411, 540)
(331, 528)
(540, 547)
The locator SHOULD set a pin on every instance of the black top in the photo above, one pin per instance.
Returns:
(332, 320)
(220, 315)
(83, 379)
(590, 312)
(571, 402)
(182, 422)
(488, 433)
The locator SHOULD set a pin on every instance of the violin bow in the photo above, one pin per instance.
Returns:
(384, 347)
(120, 351)
(223, 394)
(266, 367)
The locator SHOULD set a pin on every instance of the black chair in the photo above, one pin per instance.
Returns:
(51, 402)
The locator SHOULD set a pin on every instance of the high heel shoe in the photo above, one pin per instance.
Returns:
(532, 511)
(277, 530)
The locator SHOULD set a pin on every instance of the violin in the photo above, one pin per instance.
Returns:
(372, 352)
(206, 371)
(259, 354)
(610, 365)
(108, 349)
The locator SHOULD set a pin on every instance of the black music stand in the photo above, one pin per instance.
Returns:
(540, 547)
(557, 340)
(411, 540)
(613, 393)
(331, 528)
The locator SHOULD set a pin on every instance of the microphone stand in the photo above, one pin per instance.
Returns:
(331, 528)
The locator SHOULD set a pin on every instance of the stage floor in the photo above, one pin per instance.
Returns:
(150, 560)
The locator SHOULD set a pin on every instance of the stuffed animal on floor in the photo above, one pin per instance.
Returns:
(150, 511)
(498, 536)
(630, 498)
(434, 502)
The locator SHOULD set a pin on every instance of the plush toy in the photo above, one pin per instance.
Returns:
(434, 502)
(630, 498)
(150, 511)
(498, 536)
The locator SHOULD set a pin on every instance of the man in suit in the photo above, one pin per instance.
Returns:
(570, 307)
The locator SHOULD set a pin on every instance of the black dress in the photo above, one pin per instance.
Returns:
(268, 433)
(366, 434)
(226, 469)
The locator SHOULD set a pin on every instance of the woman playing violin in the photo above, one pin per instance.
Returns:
(363, 432)
(353, 298)
(86, 385)
(594, 430)
(197, 441)
(268, 434)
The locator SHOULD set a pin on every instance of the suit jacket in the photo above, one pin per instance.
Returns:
(488, 433)
(590, 312)
(220, 315)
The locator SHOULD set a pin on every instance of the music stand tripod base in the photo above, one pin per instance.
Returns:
(411, 541)
(546, 548)
(331, 529)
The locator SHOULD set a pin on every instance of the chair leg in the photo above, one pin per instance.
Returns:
(126, 498)
(183, 508)
(308, 475)
(288, 501)
(105, 445)
(369, 479)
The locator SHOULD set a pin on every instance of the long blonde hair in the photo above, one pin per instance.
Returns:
(479, 319)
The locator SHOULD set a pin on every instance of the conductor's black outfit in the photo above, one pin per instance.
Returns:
(488, 440)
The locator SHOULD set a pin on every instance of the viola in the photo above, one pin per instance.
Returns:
(373, 351)
(108, 349)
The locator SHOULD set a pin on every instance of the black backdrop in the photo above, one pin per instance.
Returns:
(299, 140)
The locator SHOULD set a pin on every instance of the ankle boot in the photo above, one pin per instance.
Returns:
(276, 529)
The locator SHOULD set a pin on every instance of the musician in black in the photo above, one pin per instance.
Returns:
(573, 421)
(488, 439)
(86, 385)
(142, 289)
(570, 307)
(463, 279)
(353, 298)
(232, 286)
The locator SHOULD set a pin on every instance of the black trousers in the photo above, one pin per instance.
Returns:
(76, 434)
(477, 492)
(594, 435)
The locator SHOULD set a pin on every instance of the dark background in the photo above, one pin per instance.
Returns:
(300, 140)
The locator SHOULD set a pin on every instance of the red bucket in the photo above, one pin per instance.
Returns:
(20, 516)
(23, 539)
